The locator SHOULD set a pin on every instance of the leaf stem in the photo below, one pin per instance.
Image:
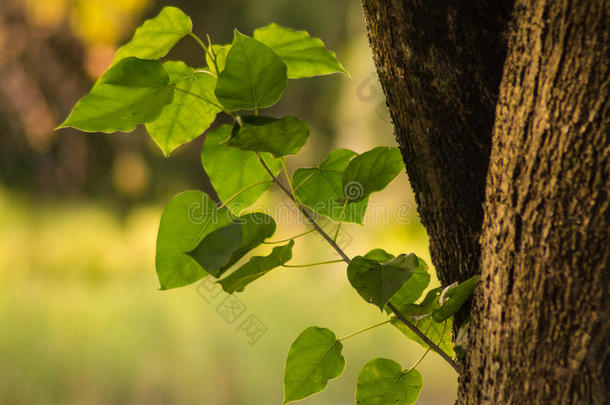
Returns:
(234, 196)
(206, 49)
(429, 348)
(423, 337)
(341, 217)
(305, 213)
(312, 264)
(273, 242)
(347, 260)
(364, 330)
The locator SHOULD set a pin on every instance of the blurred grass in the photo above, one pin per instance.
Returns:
(82, 320)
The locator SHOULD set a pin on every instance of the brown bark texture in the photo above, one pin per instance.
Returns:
(440, 65)
(508, 105)
(541, 330)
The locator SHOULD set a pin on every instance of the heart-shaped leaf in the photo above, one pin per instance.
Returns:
(371, 171)
(233, 171)
(383, 382)
(256, 267)
(157, 36)
(254, 76)
(187, 219)
(320, 188)
(279, 136)
(314, 358)
(132, 92)
(304, 56)
(377, 282)
(223, 247)
(189, 114)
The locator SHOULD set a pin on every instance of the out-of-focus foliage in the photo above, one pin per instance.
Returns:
(52, 50)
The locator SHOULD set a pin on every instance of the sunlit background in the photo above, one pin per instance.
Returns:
(81, 318)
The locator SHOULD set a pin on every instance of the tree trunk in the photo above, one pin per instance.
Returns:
(540, 327)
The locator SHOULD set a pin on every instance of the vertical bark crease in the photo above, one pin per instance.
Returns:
(440, 65)
(540, 327)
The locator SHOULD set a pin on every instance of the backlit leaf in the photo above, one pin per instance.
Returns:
(187, 219)
(314, 358)
(188, 115)
(321, 189)
(232, 170)
(421, 316)
(371, 171)
(304, 56)
(157, 36)
(383, 382)
(132, 92)
(221, 52)
(254, 76)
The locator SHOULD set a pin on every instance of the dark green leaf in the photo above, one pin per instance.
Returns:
(157, 36)
(372, 171)
(383, 382)
(377, 282)
(320, 188)
(256, 267)
(455, 297)
(413, 288)
(254, 76)
(304, 56)
(314, 358)
(279, 136)
(188, 115)
(232, 170)
(221, 249)
(132, 92)
(187, 219)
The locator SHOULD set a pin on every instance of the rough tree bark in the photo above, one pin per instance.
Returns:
(540, 328)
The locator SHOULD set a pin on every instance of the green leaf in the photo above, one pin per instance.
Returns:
(187, 219)
(221, 249)
(254, 76)
(221, 52)
(413, 288)
(456, 297)
(157, 36)
(279, 136)
(421, 316)
(314, 358)
(377, 282)
(256, 267)
(188, 115)
(371, 171)
(232, 170)
(304, 56)
(132, 92)
(321, 189)
(383, 382)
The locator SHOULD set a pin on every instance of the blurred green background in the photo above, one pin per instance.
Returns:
(81, 317)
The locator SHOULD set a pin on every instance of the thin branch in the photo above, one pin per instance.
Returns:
(312, 264)
(347, 260)
(423, 337)
(305, 213)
